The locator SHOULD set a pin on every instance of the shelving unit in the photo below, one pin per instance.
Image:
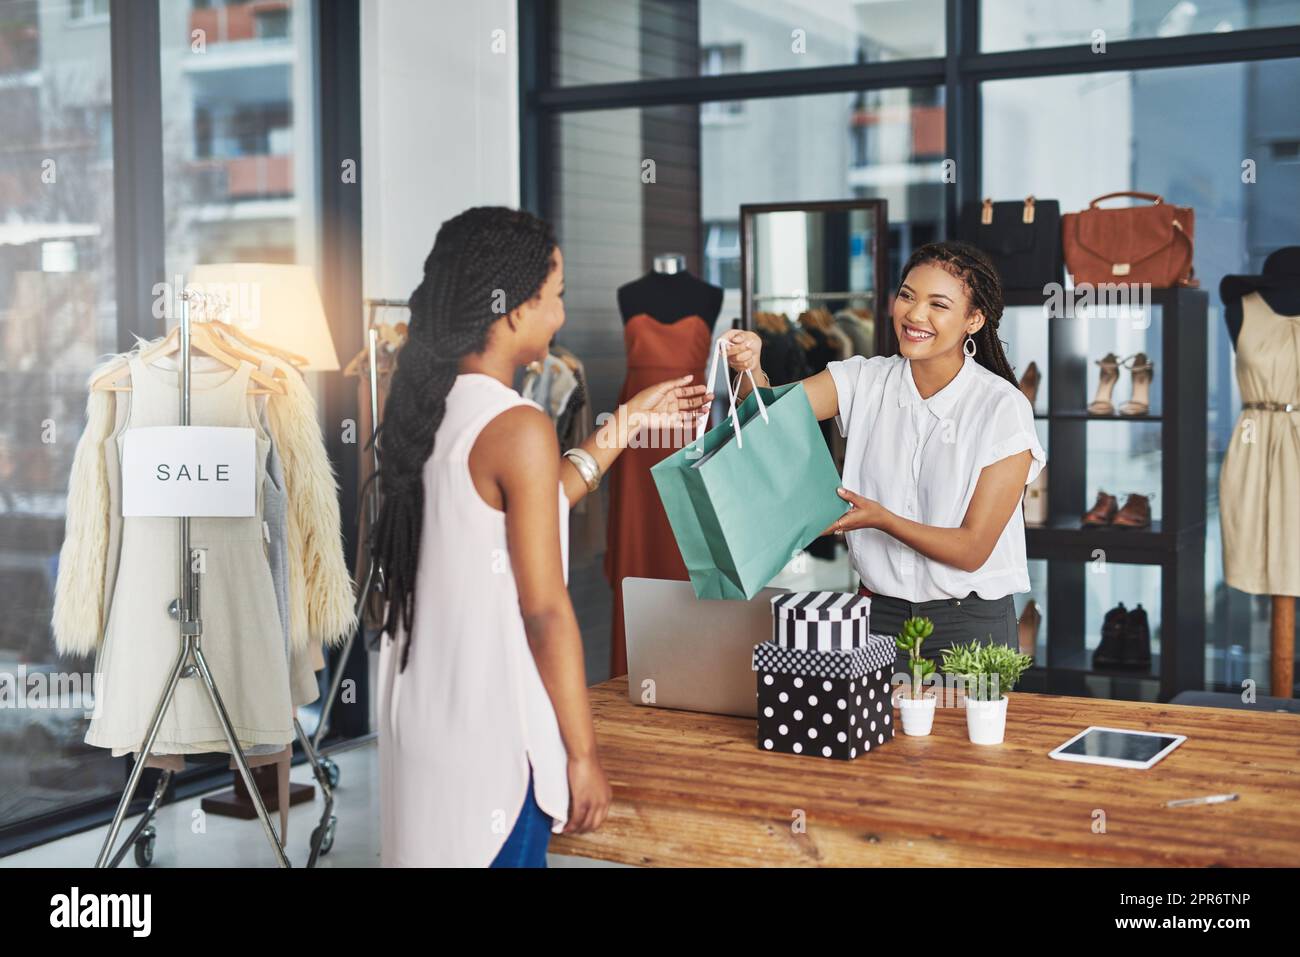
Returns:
(1175, 543)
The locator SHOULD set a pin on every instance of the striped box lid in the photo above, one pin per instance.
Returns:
(821, 605)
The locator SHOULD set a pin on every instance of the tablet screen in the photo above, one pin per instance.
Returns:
(1120, 745)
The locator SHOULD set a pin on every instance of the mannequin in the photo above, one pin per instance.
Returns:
(669, 293)
(1278, 286)
(668, 316)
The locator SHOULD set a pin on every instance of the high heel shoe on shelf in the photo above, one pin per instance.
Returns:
(1101, 403)
(1143, 370)
(1029, 382)
(1027, 628)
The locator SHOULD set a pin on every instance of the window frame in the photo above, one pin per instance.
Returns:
(960, 71)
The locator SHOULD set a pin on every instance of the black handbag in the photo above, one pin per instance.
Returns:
(1022, 237)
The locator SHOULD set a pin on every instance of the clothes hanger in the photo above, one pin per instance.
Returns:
(392, 335)
(234, 336)
(202, 340)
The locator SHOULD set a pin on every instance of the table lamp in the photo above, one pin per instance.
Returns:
(274, 303)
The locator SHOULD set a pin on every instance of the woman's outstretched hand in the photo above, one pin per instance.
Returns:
(862, 513)
(673, 403)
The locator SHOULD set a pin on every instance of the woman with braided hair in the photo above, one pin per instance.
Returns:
(486, 739)
(940, 446)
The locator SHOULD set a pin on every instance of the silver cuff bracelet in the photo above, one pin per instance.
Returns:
(586, 465)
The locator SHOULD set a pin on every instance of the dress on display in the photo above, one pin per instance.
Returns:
(243, 636)
(275, 587)
(1258, 505)
(640, 542)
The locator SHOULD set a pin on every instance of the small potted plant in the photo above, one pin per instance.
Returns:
(989, 671)
(917, 703)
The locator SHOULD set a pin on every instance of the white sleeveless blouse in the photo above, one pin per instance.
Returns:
(459, 728)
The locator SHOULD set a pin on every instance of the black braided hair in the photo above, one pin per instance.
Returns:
(485, 262)
(984, 285)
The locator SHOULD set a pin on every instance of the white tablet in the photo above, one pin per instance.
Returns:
(1117, 747)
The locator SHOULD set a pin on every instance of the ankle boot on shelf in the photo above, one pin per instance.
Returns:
(1103, 510)
(1030, 620)
(1136, 513)
(1110, 653)
(1029, 382)
(1137, 640)
(1101, 403)
(1143, 370)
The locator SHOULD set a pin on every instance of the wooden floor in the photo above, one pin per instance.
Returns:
(693, 789)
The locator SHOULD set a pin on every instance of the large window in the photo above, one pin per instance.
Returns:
(892, 100)
(1184, 133)
(1016, 24)
(237, 133)
(223, 169)
(57, 314)
(597, 41)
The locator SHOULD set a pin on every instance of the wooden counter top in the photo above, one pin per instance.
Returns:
(693, 789)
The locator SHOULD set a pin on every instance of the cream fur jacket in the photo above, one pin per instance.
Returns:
(320, 588)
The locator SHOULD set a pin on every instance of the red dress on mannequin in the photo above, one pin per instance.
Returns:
(639, 540)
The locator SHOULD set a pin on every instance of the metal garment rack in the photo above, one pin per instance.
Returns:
(374, 577)
(189, 663)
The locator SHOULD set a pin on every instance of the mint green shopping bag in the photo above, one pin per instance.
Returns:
(745, 497)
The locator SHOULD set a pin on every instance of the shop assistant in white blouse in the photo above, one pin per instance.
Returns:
(921, 459)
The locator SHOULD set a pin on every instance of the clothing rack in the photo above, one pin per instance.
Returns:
(190, 661)
(374, 577)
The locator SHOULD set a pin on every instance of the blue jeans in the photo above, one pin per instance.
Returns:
(528, 839)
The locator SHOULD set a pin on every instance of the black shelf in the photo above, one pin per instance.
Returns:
(1080, 414)
(1176, 544)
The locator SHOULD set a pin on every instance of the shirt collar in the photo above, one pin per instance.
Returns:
(941, 402)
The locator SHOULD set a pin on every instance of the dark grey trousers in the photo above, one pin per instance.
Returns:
(956, 621)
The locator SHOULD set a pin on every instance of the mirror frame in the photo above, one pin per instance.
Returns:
(886, 344)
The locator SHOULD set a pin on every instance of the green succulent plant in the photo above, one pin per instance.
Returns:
(990, 670)
(913, 635)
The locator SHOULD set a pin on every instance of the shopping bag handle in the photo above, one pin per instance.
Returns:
(721, 350)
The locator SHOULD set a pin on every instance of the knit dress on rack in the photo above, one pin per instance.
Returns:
(640, 542)
(243, 640)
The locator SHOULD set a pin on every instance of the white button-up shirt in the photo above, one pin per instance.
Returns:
(921, 459)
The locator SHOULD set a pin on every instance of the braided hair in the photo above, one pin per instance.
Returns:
(977, 273)
(485, 262)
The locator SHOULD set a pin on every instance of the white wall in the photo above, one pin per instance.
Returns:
(439, 124)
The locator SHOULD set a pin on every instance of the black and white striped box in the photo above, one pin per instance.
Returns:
(821, 620)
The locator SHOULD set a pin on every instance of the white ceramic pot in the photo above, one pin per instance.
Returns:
(986, 721)
(918, 713)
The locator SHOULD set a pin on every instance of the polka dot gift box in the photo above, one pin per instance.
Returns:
(831, 704)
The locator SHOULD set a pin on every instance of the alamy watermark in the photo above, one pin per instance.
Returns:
(51, 690)
(235, 303)
(1118, 300)
(648, 430)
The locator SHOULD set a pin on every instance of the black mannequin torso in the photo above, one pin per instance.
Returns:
(1285, 301)
(668, 297)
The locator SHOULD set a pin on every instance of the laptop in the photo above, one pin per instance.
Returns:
(689, 653)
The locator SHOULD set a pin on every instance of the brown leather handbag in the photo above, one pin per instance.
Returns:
(1135, 244)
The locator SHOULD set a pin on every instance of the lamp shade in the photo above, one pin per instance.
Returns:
(274, 303)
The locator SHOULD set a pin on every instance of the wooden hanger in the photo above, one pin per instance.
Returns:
(233, 335)
(203, 341)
